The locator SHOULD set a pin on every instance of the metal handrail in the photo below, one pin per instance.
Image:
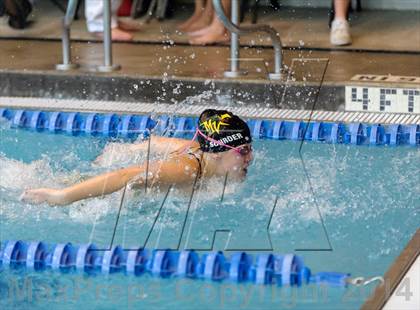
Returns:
(275, 37)
(67, 20)
(107, 66)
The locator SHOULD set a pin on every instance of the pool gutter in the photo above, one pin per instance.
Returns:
(99, 106)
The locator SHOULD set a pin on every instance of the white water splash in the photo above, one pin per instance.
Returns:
(16, 175)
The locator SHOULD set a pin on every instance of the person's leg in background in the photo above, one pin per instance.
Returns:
(94, 20)
(340, 28)
(215, 32)
(204, 19)
(198, 11)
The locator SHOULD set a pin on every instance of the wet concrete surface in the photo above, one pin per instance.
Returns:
(171, 73)
(197, 63)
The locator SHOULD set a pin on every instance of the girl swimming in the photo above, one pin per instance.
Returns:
(221, 146)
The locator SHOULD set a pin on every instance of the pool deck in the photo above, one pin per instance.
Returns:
(401, 288)
(160, 66)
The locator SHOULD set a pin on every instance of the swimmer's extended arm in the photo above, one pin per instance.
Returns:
(167, 172)
(100, 185)
(97, 186)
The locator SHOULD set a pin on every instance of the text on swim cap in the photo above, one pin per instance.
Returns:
(226, 140)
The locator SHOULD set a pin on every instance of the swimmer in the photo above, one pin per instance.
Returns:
(221, 146)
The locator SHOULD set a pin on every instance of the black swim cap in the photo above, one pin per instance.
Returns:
(224, 127)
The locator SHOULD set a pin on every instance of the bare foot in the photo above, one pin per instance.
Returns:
(128, 25)
(116, 35)
(201, 32)
(38, 196)
(213, 35)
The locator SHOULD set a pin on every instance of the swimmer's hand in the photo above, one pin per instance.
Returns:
(136, 183)
(41, 195)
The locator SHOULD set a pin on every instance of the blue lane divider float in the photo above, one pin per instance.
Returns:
(265, 269)
(73, 123)
(130, 126)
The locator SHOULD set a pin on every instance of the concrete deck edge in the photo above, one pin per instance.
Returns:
(286, 95)
(394, 275)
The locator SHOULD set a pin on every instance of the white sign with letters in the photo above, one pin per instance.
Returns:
(383, 99)
(374, 78)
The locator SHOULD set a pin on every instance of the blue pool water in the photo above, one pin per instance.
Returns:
(368, 198)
